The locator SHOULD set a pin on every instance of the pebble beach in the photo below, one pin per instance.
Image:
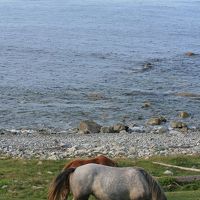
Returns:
(137, 142)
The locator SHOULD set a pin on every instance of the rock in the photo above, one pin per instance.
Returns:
(137, 129)
(65, 145)
(162, 119)
(120, 127)
(132, 150)
(160, 130)
(154, 121)
(94, 96)
(45, 131)
(147, 66)
(189, 53)
(175, 124)
(4, 186)
(168, 173)
(39, 162)
(183, 114)
(123, 132)
(2, 131)
(146, 105)
(88, 126)
(72, 149)
(34, 187)
(53, 157)
(80, 152)
(107, 129)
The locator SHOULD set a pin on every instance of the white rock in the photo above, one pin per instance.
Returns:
(168, 172)
(4, 187)
(53, 157)
(39, 163)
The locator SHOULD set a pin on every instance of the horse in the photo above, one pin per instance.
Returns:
(103, 160)
(106, 183)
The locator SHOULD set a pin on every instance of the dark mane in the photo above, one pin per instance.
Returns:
(156, 190)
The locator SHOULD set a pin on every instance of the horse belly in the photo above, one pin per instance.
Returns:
(105, 192)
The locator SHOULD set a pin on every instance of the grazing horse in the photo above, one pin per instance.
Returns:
(106, 183)
(103, 160)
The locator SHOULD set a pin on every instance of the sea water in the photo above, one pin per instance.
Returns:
(69, 60)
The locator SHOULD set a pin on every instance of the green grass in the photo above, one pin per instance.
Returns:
(184, 195)
(29, 180)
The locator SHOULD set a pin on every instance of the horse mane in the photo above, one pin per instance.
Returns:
(98, 160)
(157, 192)
(60, 184)
(72, 163)
(107, 161)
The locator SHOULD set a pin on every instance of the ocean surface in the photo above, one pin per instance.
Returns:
(69, 60)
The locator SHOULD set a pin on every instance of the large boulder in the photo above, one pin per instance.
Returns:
(88, 126)
(154, 121)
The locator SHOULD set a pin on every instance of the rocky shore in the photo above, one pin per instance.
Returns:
(134, 142)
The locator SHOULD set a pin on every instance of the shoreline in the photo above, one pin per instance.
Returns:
(140, 143)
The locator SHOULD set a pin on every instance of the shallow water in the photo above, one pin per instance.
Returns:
(64, 61)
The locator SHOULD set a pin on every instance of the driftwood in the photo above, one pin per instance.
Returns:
(178, 167)
(187, 179)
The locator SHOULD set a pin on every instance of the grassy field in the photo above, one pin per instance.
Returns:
(29, 179)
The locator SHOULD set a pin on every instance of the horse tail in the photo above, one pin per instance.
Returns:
(59, 185)
(156, 191)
